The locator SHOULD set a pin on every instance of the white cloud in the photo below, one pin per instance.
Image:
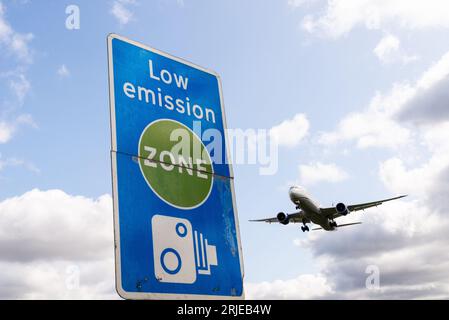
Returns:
(387, 46)
(19, 45)
(429, 96)
(290, 132)
(299, 3)
(386, 121)
(306, 286)
(121, 11)
(388, 50)
(56, 246)
(20, 87)
(428, 179)
(58, 280)
(15, 162)
(341, 16)
(320, 172)
(368, 129)
(14, 42)
(398, 178)
(63, 71)
(8, 129)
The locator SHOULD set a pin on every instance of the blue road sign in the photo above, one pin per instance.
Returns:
(175, 218)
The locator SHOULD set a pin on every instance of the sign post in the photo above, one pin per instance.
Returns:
(175, 219)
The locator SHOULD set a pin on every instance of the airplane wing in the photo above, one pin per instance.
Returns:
(296, 217)
(332, 212)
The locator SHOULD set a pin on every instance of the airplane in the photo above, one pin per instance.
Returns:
(311, 212)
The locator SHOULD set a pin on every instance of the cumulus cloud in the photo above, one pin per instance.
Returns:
(386, 121)
(56, 246)
(341, 16)
(389, 50)
(429, 96)
(368, 129)
(400, 239)
(307, 286)
(122, 12)
(290, 132)
(375, 126)
(320, 172)
(428, 179)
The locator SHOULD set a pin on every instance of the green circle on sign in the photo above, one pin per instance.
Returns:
(175, 164)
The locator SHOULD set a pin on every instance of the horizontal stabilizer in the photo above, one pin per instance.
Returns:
(348, 224)
(341, 225)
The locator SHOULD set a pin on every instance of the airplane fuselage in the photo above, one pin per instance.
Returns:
(310, 208)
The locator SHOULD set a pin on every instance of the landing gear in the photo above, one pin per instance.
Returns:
(304, 228)
(333, 224)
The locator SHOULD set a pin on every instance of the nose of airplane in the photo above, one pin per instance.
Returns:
(291, 192)
(296, 191)
(293, 188)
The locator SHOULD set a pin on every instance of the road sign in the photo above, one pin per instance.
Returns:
(175, 218)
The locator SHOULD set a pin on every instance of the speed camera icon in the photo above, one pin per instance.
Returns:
(179, 252)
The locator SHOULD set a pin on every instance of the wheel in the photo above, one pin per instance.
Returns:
(303, 229)
(306, 228)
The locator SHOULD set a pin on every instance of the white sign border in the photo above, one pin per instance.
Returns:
(118, 279)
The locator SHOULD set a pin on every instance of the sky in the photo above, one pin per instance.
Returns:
(355, 91)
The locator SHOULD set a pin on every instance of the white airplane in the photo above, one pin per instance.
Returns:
(311, 212)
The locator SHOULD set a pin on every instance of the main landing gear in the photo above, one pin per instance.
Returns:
(332, 223)
(304, 228)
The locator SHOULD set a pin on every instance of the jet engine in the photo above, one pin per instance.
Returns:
(341, 209)
(283, 218)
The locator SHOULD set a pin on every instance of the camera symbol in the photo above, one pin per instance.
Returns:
(181, 252)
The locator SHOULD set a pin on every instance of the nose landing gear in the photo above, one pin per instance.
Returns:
(333, 224)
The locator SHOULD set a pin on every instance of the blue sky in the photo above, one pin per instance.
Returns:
(273, 64)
